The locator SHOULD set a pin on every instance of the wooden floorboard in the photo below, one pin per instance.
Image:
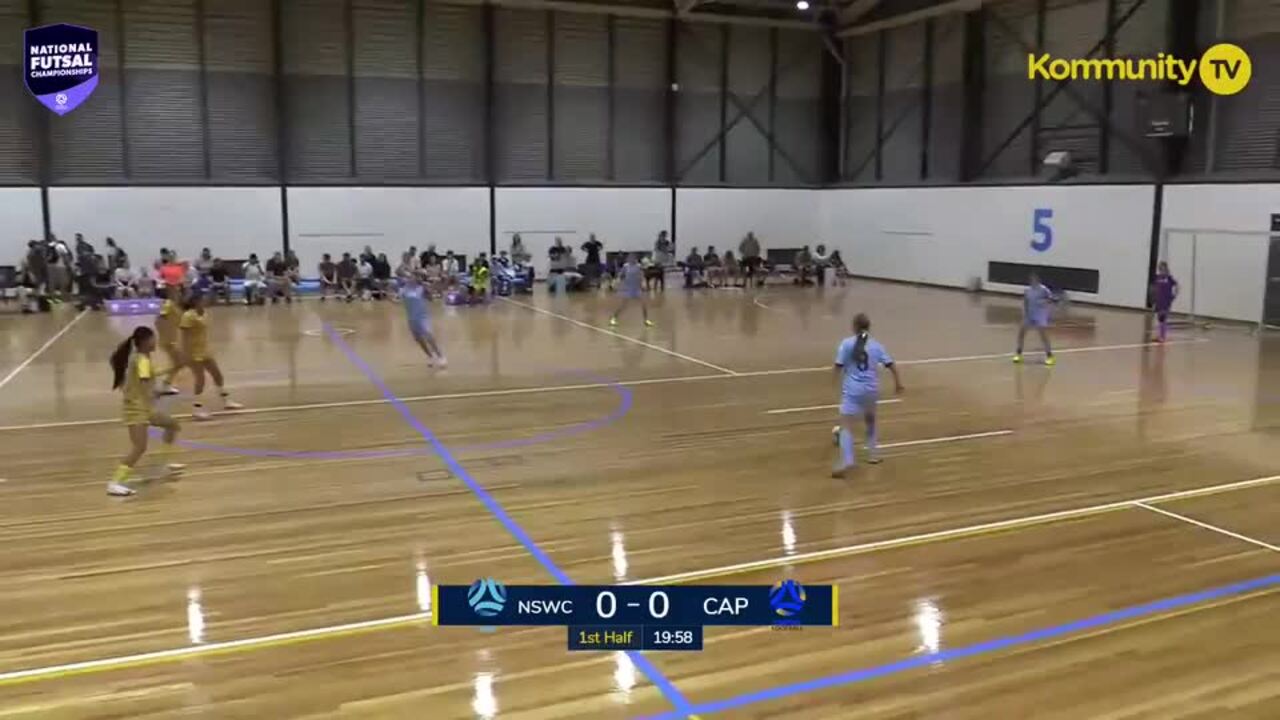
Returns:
(657, 455)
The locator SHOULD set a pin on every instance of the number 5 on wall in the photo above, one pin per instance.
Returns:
(1041, 233)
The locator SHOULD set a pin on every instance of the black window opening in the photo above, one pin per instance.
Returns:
(1082, 280)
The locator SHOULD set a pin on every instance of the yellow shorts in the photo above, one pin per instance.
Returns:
(153, 418)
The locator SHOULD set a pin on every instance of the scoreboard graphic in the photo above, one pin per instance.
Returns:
(636, 617)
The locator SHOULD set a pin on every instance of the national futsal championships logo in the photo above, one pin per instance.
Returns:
(787, 599)
(60, 65)
(487, 597)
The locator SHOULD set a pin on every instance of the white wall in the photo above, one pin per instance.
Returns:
(1230, 270)
(721, 217)
(624, 219)
(345, 219)
(232, 222)
(947, 236)
(21, 221)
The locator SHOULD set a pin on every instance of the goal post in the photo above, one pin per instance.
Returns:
(1221, 274)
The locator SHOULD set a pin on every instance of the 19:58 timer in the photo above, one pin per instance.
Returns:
(673, 638)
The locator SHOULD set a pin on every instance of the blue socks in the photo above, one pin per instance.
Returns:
(846, 448)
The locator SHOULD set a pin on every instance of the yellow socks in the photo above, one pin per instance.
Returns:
(122, 473)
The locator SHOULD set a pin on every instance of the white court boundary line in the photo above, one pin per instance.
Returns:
(1207, 526)
(620, 336)
(47, 344)
(1027, 520)
(580, 386)
(947, 439)
(788, 411)
(122, 661)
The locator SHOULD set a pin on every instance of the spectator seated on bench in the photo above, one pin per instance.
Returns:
(694, 267)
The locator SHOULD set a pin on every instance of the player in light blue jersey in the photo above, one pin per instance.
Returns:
(632, 276)
(1036, 304)
(858, 362)
(413, 294)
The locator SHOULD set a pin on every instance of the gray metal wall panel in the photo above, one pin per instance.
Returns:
(1145, 32)
(239, 48)
(797, 112)
(317, 90)
(87, 145)
(1008, 95)
(947, 100)
(1072, 28)
(18, 119)
(453, 68)
(903, 112)
(1248, 122)
(386, 89)
(860, 122)
(521, 74)
(640, 97)
(163, 91)
(581, 77)
(747, 149)
(698, 70)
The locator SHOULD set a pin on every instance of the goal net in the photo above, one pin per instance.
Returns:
(1222, 275)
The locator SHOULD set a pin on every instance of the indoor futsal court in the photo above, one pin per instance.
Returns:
(639, 359)
(1095, 539)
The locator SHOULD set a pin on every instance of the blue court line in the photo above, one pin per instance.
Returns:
(655, 675)
(989, 646)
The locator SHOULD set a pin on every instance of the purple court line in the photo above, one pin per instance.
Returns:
(625, 402)
(1269, 582)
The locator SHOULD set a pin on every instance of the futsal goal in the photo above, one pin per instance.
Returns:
(1222, 275)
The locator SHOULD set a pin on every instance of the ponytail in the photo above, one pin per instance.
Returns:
(120, 357)
(861, 326)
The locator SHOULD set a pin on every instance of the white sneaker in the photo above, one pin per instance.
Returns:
(835, 436)
(201, 413)
(175, 467)
(115, 489)
(229, 404)
(170, 390)
(441, 362)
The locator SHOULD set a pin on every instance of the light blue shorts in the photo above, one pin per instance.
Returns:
(859, 404)
(419, 323)
(1036, 320)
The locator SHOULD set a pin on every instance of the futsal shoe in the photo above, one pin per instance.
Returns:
(835, 436)
(115, 489)
(201, 413)
(648, 323)
(1017, 358)
(613, 322)
(175, 468)
(442, 362)
(170, 390)
(841, 473)
(1051, 361)
(229, 404)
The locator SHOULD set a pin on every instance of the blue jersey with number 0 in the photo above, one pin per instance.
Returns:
(860, 379)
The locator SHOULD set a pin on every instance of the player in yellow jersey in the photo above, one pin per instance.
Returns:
(134, 376)
(195, 349)
(167, 330)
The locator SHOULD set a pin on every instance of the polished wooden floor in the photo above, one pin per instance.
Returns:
(695, 451)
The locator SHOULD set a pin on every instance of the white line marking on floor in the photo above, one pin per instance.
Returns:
(787, 411)
(620, 336)
(1207, 526)
(952, 533)
(757, 303)
(563, 388)
(206, 648)
(47, 343)
(313, 633)
(949, 438)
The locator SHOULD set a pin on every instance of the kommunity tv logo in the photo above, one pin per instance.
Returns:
(1223, 69)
